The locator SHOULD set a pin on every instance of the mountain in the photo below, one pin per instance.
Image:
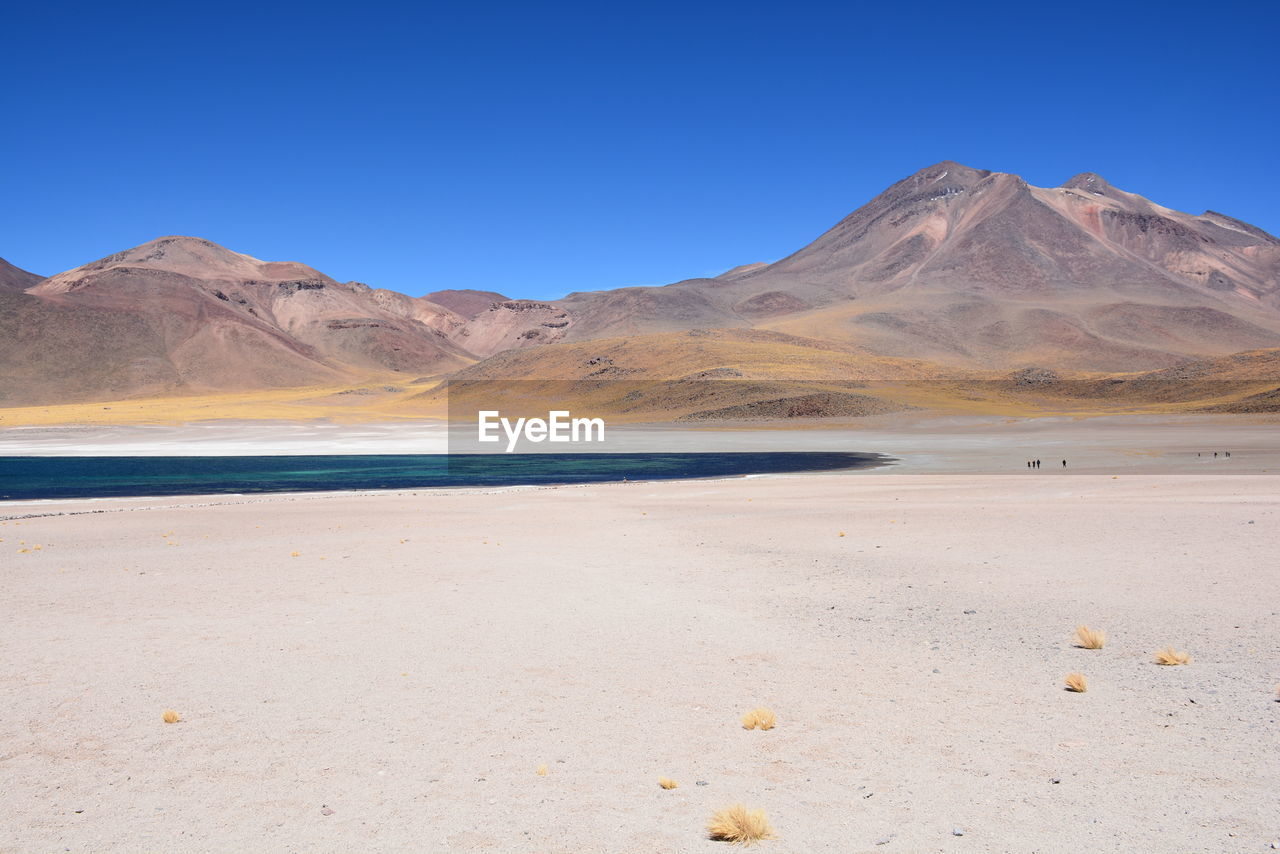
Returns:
(980, 269)
(953, 272)
(15, 279)
(181, 314)
(465, 302)
(496, 323)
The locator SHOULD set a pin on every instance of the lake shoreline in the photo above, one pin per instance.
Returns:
(924, 444)
(51, 478)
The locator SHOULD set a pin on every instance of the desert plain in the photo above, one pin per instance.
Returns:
(388, 671)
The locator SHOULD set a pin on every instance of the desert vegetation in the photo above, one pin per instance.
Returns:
(740, 825)
(1170, 657)
(1087, 638)
(1076, 683)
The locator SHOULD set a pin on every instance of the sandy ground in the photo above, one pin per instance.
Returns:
(395, 685)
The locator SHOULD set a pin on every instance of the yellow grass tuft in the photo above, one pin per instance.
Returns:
(293, 554)
(542, 770)
(842, 533)
(759, 719)
(1170, 656)
(667, 783)
(170, 716)
(739, 825)
(1077, 683)
(1087, 638)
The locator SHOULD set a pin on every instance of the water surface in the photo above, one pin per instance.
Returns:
(105, 477)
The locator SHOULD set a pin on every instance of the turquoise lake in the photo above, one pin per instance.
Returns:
(25, 478)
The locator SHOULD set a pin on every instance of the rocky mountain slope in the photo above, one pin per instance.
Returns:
(13, 278)
(181, 314)
(953, 268)
(980, 269)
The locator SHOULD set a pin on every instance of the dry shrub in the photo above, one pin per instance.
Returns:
(170, 716)
(1170, 656)
(1077, 683)
(739, 825)
(542, 770)
(1087, 638)
(667, 783)
(759, 719)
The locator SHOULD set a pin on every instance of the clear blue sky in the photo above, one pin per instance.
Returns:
(540, 148)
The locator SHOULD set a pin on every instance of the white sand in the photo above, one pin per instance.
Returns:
(616, 633)
(226, 438)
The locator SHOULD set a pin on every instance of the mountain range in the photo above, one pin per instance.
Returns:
(952, 269)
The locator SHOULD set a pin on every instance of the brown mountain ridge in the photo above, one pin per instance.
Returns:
(980, 269)
(183, 315)
(951, 270)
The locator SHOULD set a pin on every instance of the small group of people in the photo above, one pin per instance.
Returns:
(1035, 464)
(1226, 454)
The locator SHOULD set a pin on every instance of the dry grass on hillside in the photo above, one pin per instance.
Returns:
(663, 377)
(333, 403)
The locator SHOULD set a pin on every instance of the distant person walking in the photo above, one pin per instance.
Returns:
(1064, 463)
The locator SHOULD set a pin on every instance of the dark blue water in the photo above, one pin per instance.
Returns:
(104, 477)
